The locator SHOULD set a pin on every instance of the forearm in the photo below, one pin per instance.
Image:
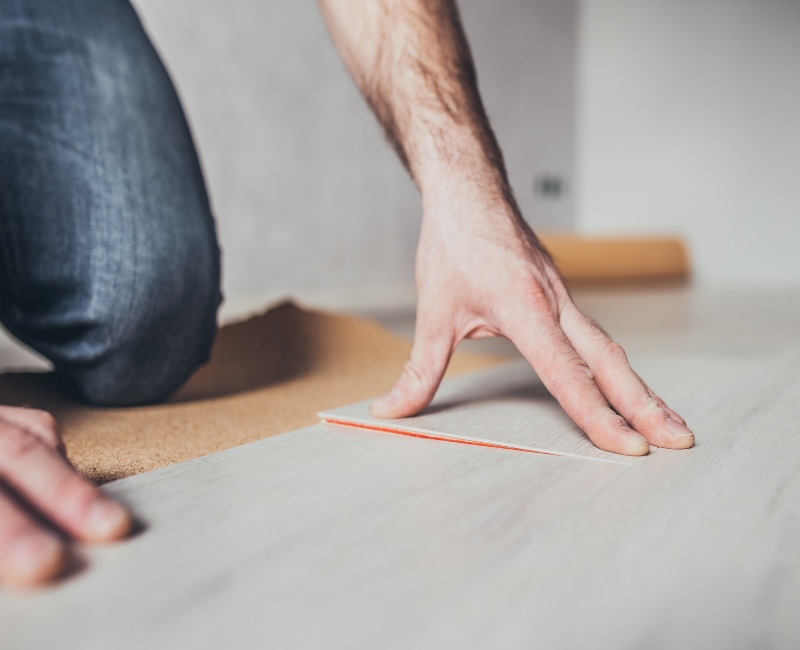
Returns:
(411, 60)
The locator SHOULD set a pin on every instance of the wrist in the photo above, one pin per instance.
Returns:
(465, 189)
(452, 161)
(446, 155)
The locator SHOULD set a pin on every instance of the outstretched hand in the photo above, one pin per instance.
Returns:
(34, 470)
(482, 272)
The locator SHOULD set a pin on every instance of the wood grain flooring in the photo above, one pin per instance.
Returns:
(329, 537)
(509, 405)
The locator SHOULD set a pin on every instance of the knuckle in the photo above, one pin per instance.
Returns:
(614, 353)
(416, 374)
(46, 426)
(537, 299)
(39, 422)
(52, 437)
(573, 370)
(578, 370)
(17, 444)
(45, 420)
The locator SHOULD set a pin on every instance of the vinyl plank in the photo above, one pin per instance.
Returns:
(294, 540)
(343, 538)
(350, 539)
(509, 405)
(692, 549)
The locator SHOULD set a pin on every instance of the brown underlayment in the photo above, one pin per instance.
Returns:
(267, 375)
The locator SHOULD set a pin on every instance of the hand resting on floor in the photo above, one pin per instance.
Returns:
(39, 487)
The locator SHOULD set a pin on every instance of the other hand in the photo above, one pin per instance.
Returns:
(36, 482)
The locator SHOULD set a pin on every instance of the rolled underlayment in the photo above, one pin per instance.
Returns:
(588, 259)
(267, 375)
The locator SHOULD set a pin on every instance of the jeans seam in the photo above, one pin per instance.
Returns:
(12, 266)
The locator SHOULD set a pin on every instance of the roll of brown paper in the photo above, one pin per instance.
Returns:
(618, 259)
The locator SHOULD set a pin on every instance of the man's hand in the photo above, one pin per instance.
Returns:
(481, 272)
(37, 482)
(480, 269)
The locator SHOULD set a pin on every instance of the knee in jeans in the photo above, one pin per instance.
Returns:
(143, 354)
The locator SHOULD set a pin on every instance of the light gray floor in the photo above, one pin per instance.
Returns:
(337, 538)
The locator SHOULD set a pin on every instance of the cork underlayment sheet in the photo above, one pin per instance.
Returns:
(267, 375)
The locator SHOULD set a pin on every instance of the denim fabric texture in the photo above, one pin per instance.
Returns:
(109, 263)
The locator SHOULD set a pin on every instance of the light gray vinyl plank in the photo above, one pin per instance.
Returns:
(343, 538)
(509, 405)
(506, 405)
(352, 539)
(322, 523)
(700, 549)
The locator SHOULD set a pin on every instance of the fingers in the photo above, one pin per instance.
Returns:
(38, 422)
(421, 376)
(621, 386)
(568, 377)
(662, 404)
(29, 555)
(32, 463)
(52, 486)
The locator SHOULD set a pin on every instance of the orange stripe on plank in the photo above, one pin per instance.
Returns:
(414, 434)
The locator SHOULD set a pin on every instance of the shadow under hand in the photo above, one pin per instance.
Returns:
(535, 391)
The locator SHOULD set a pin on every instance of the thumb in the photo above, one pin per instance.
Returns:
(421, 377)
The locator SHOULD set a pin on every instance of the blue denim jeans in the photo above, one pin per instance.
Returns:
(109, 263)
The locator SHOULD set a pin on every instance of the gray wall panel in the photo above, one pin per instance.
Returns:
(306, 191)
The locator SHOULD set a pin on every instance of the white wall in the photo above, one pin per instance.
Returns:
(689, 122)
(306, 191)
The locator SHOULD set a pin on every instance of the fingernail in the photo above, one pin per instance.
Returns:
(107, 519)
(674, 415)
(677, 428)
(35, 556)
